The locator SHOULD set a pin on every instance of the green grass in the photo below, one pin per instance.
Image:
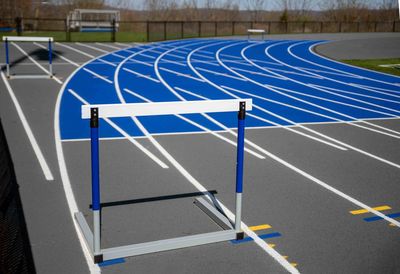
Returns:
(60, 36)
(374, 65)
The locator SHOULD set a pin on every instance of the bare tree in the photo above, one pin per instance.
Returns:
(255, 7)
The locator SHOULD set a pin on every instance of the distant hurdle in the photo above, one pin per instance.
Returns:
(255, 31)
(209, 206)
(8, 39)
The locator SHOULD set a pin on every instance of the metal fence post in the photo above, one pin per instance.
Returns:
(182, 32)
(322, 27)
(215, 28)
(7, 59)
(50, 58)
(199, 28)
(94, 142)
(147, 31)
(114, 30)
(67, 31)
(233, 28)
(239, 166)
(165, 30)
(18, 22)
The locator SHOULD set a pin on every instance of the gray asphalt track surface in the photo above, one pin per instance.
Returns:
(318, 233)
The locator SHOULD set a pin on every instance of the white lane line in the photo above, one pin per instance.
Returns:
(106, 62)
(97, 75)
(278, 257)
(221, 74)
(312, 178)
(76, 50)
(100, 50)
(259, 73)
(174, 62)
(35, 146)
(35, 62)
(219, 131)
(156, 67)
(295, 98)
(329, 72)
(303, 84)
(204, 56)
(363, 95)
(296, 73)
(212, 63)
(219, 136)
(289, 50)
(148, 64)
(59, 55)
(124, 133)
(238, 62)
(147, 55)
(141, 75)
(268, 112)
(341, 71)
(274, 123)
(108, 46)
(354, 106)
(263, 110)
(374, 89)
(182, 74)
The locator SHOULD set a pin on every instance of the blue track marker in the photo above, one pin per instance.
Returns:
(112, 262)
(377, 218)
(262, 236)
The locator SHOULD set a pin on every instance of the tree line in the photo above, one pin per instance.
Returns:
(213, 10)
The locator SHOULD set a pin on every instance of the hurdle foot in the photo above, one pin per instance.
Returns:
(98, 258)
(239, 236)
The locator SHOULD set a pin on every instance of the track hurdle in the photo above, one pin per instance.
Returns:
(209, 206)
(8, 39)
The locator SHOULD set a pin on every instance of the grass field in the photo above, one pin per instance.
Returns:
(374, 65)
(61, 36)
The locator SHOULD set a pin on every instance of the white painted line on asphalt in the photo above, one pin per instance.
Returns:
(34, 61)
(199, 126)
(312, 178)
(100, 50)
(59, 55)
(221, 74)
(278, 257)
(106, 62)
(124, 133)
(182, 74)
(76, 50)
(108, 46)
(141, 75)
(35, 146)
(364, 95)
(97, 75)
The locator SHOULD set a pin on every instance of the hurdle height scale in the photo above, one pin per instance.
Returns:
(49, 40)
(209, 204)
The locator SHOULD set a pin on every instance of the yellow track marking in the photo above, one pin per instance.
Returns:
(294, 264)
(362, 211)
(272, 245)
(259, 227)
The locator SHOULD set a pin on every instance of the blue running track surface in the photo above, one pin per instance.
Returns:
(288, 82)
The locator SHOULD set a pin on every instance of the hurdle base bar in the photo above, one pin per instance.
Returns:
(44, 76)
(151, 247)
(212, 212)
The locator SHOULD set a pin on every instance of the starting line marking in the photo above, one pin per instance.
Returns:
(363, 211)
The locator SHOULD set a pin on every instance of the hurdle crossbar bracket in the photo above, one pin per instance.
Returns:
(230, 232)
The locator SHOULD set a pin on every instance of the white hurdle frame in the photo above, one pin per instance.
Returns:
(230, 231)
(253, 31)
(8, 39)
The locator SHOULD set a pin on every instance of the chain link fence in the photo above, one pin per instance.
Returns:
(150, 31)
(15, 250)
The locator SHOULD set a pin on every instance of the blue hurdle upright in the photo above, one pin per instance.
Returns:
(8, 39)
(209, 204)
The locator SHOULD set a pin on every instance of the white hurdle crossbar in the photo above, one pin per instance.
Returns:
(8, 39)
(260, 31)
(230, 232)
